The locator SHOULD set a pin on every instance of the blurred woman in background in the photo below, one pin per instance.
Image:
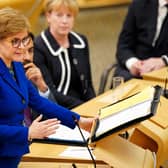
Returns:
(63, 55)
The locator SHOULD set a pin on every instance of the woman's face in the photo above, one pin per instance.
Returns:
(60, 21)
(12, 48)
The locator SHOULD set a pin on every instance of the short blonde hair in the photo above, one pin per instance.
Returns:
(12, 21)
(50, 5)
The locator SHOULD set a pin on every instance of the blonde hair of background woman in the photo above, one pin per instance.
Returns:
(72, 5)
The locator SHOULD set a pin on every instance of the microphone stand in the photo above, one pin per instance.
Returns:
(93, 160)
(165, 91)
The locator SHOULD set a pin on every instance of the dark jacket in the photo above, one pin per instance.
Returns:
(66, 71)
(137, 35)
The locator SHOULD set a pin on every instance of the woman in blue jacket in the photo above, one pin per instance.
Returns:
(17, 93)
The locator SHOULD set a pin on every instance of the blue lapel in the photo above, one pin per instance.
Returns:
(5, 74)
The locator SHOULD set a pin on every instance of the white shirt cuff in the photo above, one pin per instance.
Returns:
(130, 62)
(45, 94)
(165, 59)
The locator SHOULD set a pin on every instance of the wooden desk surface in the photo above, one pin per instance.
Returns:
(120, 153)
(157, 76)
(91, 108)
(51, 153)
(155, 128)
(112, 150)
(153, 133)
(59, 165)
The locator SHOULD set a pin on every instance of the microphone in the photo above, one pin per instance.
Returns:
(86, 143)
(165, 91)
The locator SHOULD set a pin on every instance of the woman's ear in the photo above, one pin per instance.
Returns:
(48, 15)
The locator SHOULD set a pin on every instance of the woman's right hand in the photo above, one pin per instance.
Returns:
(42, 129)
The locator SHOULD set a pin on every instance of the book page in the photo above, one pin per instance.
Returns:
(144, 95)
(66, 133)
(130, 109)
(123, 117)
(77, 152)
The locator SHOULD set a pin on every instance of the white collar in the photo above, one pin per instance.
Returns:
(55, 53)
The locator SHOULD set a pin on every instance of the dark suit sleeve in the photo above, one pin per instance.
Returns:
(127, 39)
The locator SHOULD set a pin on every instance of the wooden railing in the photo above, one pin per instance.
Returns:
(31, 8)
(100, 3)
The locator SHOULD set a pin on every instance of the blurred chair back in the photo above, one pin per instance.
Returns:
(106, 78)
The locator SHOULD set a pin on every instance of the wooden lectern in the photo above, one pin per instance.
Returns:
(153, 134)
(111, 151)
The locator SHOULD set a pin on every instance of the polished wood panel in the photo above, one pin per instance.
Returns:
(112, 150)
(31, 8)
(151, 134)
(100, 3)
(157, 76)
(91, 108)
(58, 165)
(120, 153)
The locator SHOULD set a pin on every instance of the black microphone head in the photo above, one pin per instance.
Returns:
(165, 91)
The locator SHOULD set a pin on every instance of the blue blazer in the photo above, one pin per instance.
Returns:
(15, 96)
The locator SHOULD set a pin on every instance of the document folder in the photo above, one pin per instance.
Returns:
(113, 118)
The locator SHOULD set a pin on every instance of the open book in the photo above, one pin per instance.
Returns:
(112, 118)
